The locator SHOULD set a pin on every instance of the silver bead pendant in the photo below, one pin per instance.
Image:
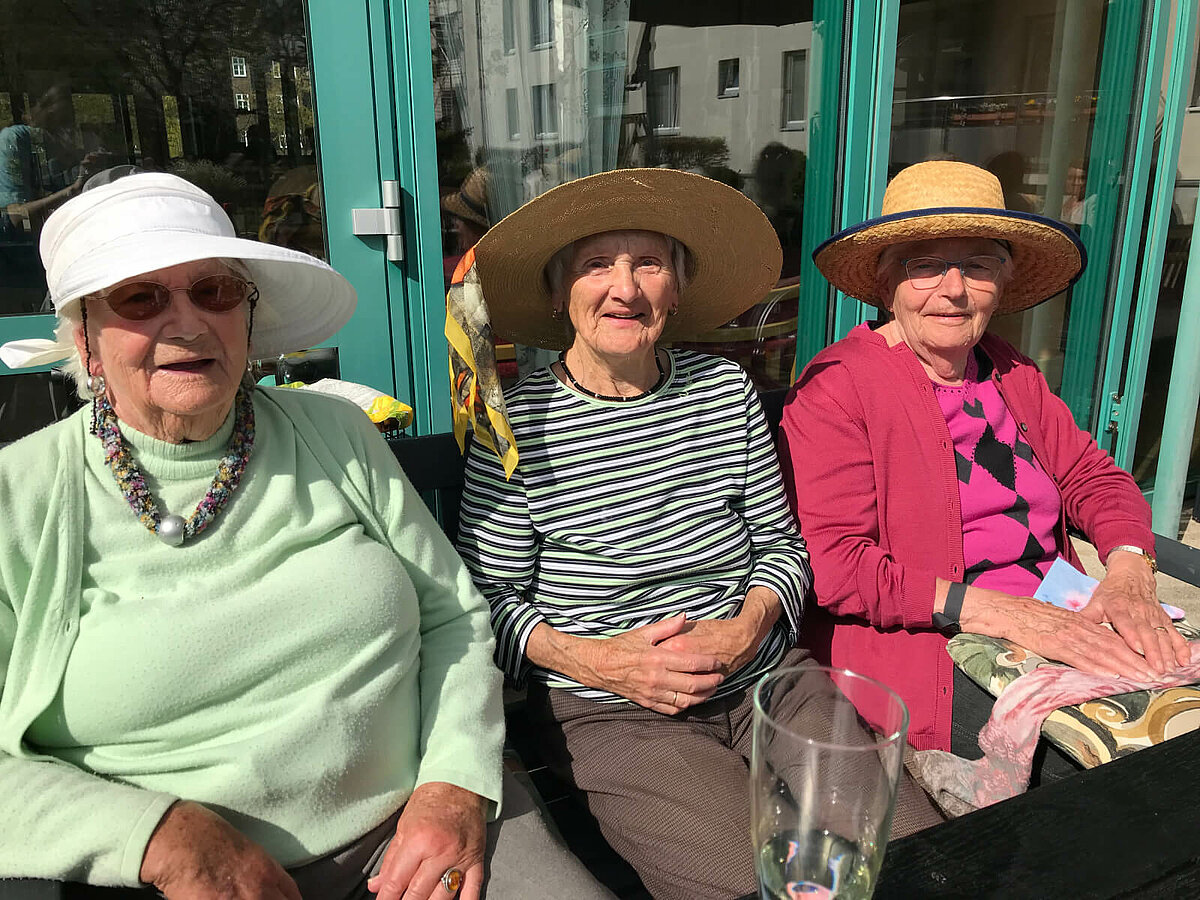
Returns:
(171, 530)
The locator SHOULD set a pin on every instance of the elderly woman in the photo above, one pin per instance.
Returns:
(936, 472)
(238, 658)
(642, 566)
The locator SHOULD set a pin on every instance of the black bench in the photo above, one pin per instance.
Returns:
(435, 467)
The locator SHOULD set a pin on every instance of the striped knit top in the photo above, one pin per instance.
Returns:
(621, 514)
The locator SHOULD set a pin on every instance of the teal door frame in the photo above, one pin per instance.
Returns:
(1159, 219)
(870, 59)
(423, 279)
(1112, 180)
(820, 194)
(352, 90)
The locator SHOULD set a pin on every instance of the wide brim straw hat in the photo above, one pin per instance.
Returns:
(735, 255)
(145, 222)
(470, 201)
(944, 199)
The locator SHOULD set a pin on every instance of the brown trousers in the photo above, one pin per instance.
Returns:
(671, 793)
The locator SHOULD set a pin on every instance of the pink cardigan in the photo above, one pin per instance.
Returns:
(869, 468)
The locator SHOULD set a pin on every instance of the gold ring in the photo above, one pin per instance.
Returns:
(452, 879)
(1160, 627)
(674, 698)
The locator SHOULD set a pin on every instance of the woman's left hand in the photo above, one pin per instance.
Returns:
(733, 641)
(442, 827)
(1127, 599)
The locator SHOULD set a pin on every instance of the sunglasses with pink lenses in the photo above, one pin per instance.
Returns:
(138, 301)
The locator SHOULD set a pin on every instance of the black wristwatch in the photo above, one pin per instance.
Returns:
(947, 620)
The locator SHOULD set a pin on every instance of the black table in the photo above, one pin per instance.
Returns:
(1125, 829)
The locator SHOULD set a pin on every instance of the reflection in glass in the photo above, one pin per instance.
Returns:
(1011, 87)
(223, 100)
(544, 91)
(1184, 209)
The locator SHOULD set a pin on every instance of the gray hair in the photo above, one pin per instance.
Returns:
(70, 320)
(681, 261)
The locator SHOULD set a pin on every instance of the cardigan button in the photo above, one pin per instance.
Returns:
(1024, 427)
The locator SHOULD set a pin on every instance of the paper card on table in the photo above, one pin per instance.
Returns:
(1066, 587)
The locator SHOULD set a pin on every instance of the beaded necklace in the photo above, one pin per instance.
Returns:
(173, 529)
(616, 398)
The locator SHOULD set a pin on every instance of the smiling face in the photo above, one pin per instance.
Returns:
(949, 319)
(173, 376)
(619, 288)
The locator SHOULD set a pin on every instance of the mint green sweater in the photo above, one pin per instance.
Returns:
(300, 667)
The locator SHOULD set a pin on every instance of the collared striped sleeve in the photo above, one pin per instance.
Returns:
(496, 540)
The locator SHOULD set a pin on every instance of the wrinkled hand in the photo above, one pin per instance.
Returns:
(441, 827)
(1063, 635)
(1127, 599)
(733, 641)
(194, 854)
(639, 666)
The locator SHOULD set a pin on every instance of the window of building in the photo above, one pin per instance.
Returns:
(509, 25)
(541, 23)
(727, 77)
(545, 112)
(513, 114)
(275, 71)
(239, 66)
(662, 100)
(283, 142)
(242, 101)
(795, 90)
(245, 137)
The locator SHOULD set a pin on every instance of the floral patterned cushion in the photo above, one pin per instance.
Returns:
(1095, 731)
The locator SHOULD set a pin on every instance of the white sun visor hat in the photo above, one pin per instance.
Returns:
(152, 220)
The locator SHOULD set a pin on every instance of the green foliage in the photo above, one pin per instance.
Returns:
(684, 152)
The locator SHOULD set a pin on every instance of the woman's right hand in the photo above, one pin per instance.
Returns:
(1052, 632)
(632, 664)
(194, 854)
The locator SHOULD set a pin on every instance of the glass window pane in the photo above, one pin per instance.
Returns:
(1012, 88)
(728, 73)
(1169, 308)
(227, 106)
(795, 98)
(224, 104)
(612, 84)
(509, 25)
(541, 23)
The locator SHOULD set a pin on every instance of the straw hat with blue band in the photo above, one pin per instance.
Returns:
(943, 199)
(149, 221)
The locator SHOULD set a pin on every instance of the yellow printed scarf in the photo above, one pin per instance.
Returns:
(474, 384)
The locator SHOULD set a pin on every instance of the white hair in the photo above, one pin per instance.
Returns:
(556, 269)
(70, 321)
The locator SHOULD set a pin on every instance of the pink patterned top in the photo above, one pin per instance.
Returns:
(1010, 506)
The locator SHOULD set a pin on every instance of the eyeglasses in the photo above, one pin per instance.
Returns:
(602, 267)
(142, 300)
(927, 272)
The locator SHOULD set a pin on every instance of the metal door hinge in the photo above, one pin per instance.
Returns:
(1112, 414)
(385, 221)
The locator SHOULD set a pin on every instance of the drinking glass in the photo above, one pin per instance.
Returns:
(822, 782)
